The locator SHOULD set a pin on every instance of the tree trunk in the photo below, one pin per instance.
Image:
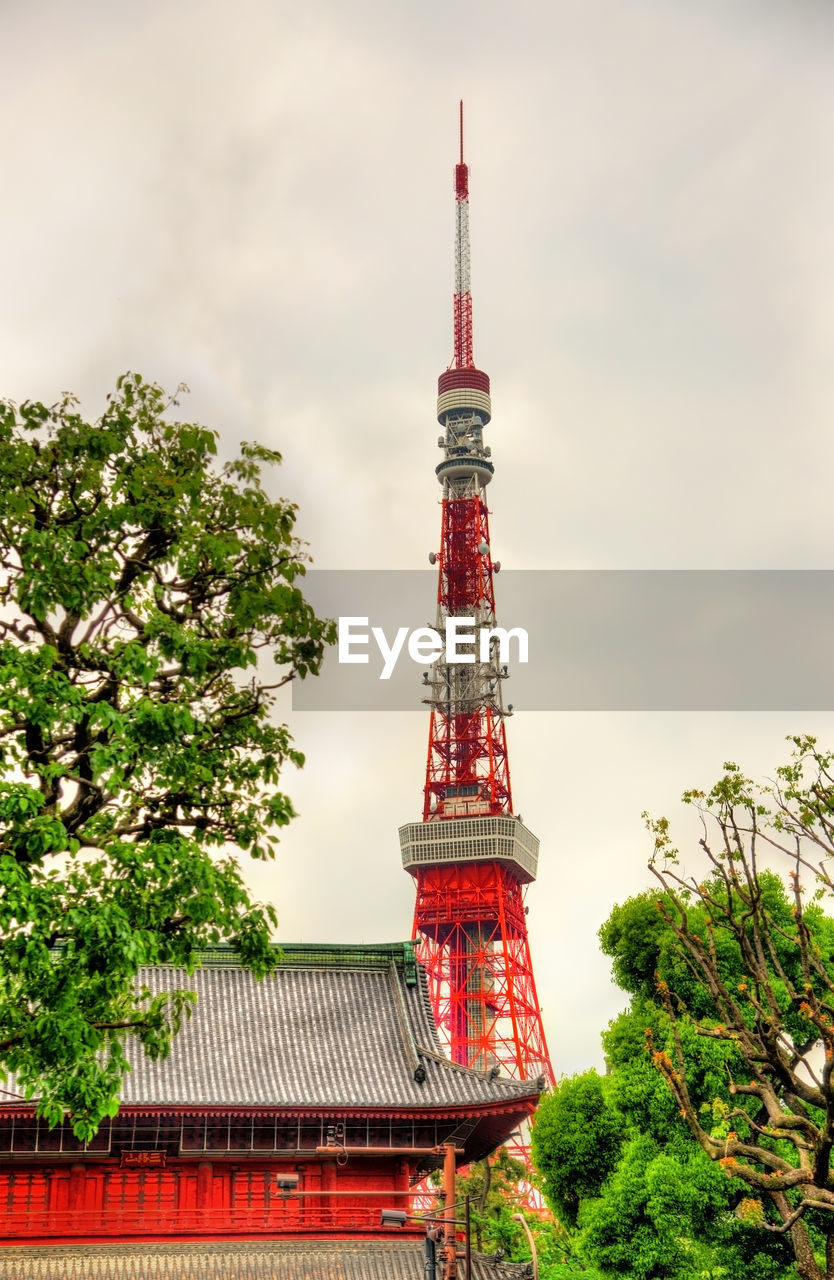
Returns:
(806, 1263)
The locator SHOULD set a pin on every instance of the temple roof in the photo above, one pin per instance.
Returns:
(246, 1260)
(333, 1026)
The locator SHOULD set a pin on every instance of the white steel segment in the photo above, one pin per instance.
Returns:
(462, 285)
(463, 399)
(457, 469)
(494, 838)
(461, 688)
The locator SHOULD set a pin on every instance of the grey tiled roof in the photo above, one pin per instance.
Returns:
(294, 1260)
(333, 1026)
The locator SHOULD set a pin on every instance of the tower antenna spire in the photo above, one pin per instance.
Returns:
(463, 357)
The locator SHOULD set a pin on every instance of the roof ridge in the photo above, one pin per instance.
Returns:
(474, 1071)
(418, 1071)
(447, 1062)
(317, 955)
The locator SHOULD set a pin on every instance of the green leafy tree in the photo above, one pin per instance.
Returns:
(150, 608)
(494, 1196)
(749, 967)
(616, 1154)
(620, 1169)
(576, 1143)
(720, 1071)
(497, 1190)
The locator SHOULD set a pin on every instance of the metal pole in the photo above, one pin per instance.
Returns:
(431, 1259)
(468, 1243)
(518, 1217)
(449, 1245)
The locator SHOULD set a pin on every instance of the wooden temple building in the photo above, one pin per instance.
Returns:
(289, 1113)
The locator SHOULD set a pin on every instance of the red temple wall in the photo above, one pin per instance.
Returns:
(183, 1198)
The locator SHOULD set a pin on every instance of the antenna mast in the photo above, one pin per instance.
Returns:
(463, 357)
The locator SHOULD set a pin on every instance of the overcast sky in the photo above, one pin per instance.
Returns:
(256, 199)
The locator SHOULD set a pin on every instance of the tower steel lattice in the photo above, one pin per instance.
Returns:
(471, 857)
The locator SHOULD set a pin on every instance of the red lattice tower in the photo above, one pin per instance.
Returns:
(470, 856)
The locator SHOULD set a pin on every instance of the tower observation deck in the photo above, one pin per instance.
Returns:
(471, 857)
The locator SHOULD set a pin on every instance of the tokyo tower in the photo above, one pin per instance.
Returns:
(471, 857)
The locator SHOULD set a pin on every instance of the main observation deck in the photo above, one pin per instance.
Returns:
(491, 838)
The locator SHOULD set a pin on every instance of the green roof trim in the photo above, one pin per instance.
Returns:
(328, 955)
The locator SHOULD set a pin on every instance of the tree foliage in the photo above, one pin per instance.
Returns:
(150, 608)
(496, 1189)
(750, 969)
(619, 1167)
(720, 1073)
(576, 1143)
(720, 1070)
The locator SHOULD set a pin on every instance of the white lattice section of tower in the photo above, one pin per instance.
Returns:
(462, 280)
